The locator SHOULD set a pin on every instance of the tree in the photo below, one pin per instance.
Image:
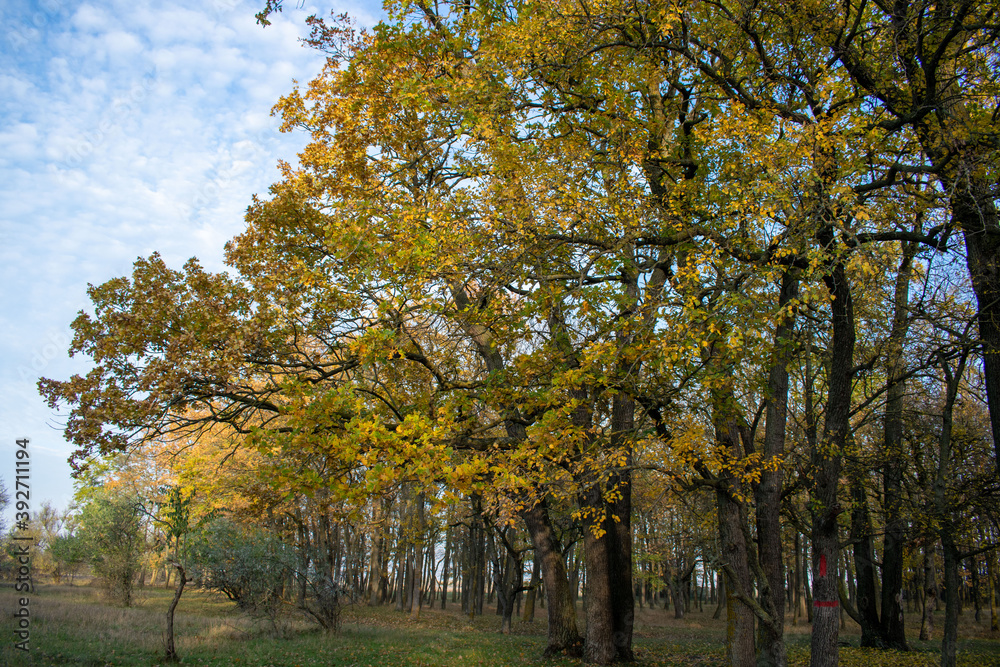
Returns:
(111, 526)
(177, 518)
(69, 551)
(47, 524)
(925, 69)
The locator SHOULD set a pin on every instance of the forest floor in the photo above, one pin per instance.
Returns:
(72, 625)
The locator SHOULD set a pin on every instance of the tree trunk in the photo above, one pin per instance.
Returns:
(992, 591)
(416, 598)
(944, 511)
(529, 601)
(675, 592)
(444, 567)
(930, 595)
(951, 582)
(797, 597)
(399, 588)
(407, 592)
(771, 636)
(892, 629)
(378, 575)
(826, 463)
(468, 565)
(599, 645)
(479, 558)
(739, 617)
(976, 595)
(506, 578)
(723, 598)
(375, 568)
(740, 650)
(864, 562)
(171, 653)
(619, 543)
(563, 636)
(735, 557)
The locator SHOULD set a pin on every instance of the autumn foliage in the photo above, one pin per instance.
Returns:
(677, 281)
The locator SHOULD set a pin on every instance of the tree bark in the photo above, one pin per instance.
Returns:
(864, 562)
(416, 598)
(375, 562)
(991, 590)
(171, 653)
(892, 629)
(478, 558)
(529, 601)
(949, 641)
(976, 596)
(930, 594)
(622, 598)
(723, 598)
(771, 636)
(444, 567)
(732, 540)
(826, 463)
(599, 644)
(797, 580)
(506, 578)
(563, 635)
(674, 583)
(944, 512)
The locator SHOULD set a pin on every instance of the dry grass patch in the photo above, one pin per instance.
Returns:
(75, 626)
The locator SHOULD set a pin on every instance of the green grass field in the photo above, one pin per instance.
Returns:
(73, 626)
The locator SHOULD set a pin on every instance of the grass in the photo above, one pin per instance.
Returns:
(72, 625)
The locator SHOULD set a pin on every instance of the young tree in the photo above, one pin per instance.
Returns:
(111, 525)
(176, 516)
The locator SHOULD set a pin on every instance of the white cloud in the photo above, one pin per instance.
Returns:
(122, 44)
(128, 127)
(89, 18)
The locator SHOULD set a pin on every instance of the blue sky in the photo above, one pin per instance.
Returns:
(128, 127)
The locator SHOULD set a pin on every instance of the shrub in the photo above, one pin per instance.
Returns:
(249, 567)
(324, 602)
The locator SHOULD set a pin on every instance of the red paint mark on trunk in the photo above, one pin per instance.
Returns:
(822, 565)
(826, 603)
